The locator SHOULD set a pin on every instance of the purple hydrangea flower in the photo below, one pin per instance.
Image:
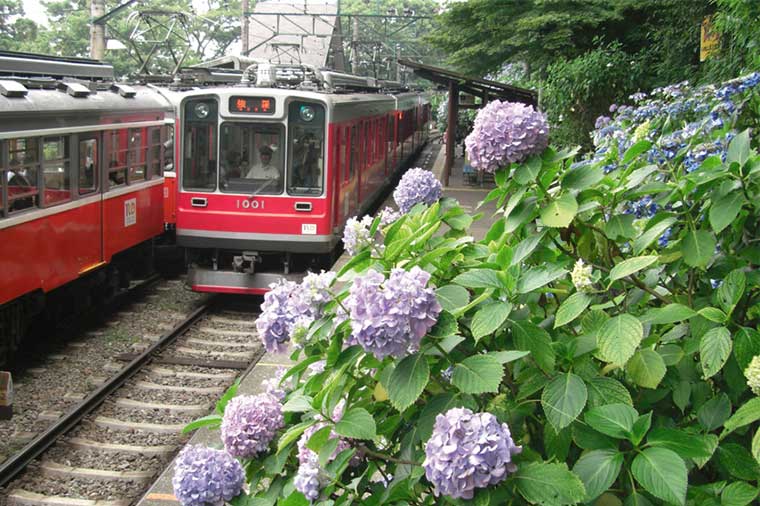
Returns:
(309, 300)
(250, 423)
(356, 234)
(467, 451)
(506, 132)
(390, 317)
(274, 387)
(388, 216)
(307, 480)
(602, 121)
(275, 323)
(203, 476)
(417, 186)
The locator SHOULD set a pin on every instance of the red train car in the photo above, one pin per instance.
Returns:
(81, 183)
(270, 174)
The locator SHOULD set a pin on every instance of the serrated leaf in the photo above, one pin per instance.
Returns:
(563, 399)
(478, 374)
(662, 473)
(559, 213)
(756, 446)
(614, 420)
(738, 148)
(571, 308)
(603, 390)
(668, 314)
(532, 338)
(537, 277)
(620, 226)
(698, 248)
(650, 235)
(452, 297)
(489, 318)
(714, 350)
(635, 150)
(618, 338)
(408, 380)
(357, 423)
(582, 176)
(737, 460)
(747, 413)
(211, 421)
(714, 412)
(731, 290)
(527, 171)
(478, 278)
(725, 210)
(684, 444)
(297, 404)
(598, 469)
(646, 368)
(504, 357)
(549, 484)
(746, 346)
(525, 247)
(738, 494)
(713, 314)
(631, 266)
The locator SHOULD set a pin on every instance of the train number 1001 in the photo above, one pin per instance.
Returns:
(249, 204)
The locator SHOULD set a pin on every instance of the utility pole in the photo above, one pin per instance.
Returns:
(355, 46)
(244, 28)
(97, 31)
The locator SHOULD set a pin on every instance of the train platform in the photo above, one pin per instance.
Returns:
(470, 192)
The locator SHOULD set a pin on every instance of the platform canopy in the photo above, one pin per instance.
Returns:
(485, 89)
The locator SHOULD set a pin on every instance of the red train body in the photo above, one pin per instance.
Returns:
(247, 221)
(81, 184)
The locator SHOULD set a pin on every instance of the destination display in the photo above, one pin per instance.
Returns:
(252, 105)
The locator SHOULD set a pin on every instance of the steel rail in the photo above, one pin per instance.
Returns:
(17, 463)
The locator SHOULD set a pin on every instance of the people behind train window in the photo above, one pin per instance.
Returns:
(233, 166)
(116, 177)
(265, 169)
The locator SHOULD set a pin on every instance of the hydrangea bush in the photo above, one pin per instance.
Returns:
(600, 345)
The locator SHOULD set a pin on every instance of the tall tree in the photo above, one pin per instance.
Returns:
(15, 30)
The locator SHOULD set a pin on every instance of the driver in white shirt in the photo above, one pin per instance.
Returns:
(264, 169)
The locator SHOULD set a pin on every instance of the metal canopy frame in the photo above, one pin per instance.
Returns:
(455, 82)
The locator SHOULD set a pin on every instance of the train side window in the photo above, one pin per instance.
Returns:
(115, 153)
(136, 157)
(306, 143)
(55, 170)
(199, 158)
(154, 152)
(21, 176)
(88, 166)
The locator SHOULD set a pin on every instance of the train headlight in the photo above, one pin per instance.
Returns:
(307, 113)
(202, 110)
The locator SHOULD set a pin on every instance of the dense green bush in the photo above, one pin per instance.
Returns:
(609, 318)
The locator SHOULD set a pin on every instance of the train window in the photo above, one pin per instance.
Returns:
(167, 137)
(137, 155)
(115, 152)
(199, 158)
(88, 166)
(21, 176)
(154, 152)
(55, 170)
(251, 158)
(306, 131)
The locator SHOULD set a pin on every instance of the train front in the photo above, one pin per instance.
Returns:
(254, 202)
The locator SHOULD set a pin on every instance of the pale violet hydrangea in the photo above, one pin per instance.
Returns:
(417, 186)
(277, 319)
(250, 423)
(206, 477)
(388, 216)
(356, 234)
(752, 373)
(308, 478)
(468, 451)
(290, 306)
(506, 132)
(581, 276)
(390, 316)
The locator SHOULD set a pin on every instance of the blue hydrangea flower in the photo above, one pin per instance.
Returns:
(506, 132)
(390, 317)
(206, 477)
(664, 239)
(275, 323)
(468, 451)
(417, 186)
(250, 423)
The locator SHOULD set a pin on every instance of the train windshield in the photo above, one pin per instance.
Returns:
(251, 158)
(199, 158)
(306, 132)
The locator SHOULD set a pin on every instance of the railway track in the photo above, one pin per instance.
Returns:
(116, 442)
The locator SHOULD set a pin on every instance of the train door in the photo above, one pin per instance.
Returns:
(88, 186)
(354, 163)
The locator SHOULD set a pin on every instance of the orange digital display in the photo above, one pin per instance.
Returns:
(252, 105)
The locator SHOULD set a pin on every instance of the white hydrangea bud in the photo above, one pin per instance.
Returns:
(752, 373)
(581, 276)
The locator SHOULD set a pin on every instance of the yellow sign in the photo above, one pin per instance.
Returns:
(710, 40)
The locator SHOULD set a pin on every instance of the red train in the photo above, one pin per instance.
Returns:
(81, 183)
(268, 175)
